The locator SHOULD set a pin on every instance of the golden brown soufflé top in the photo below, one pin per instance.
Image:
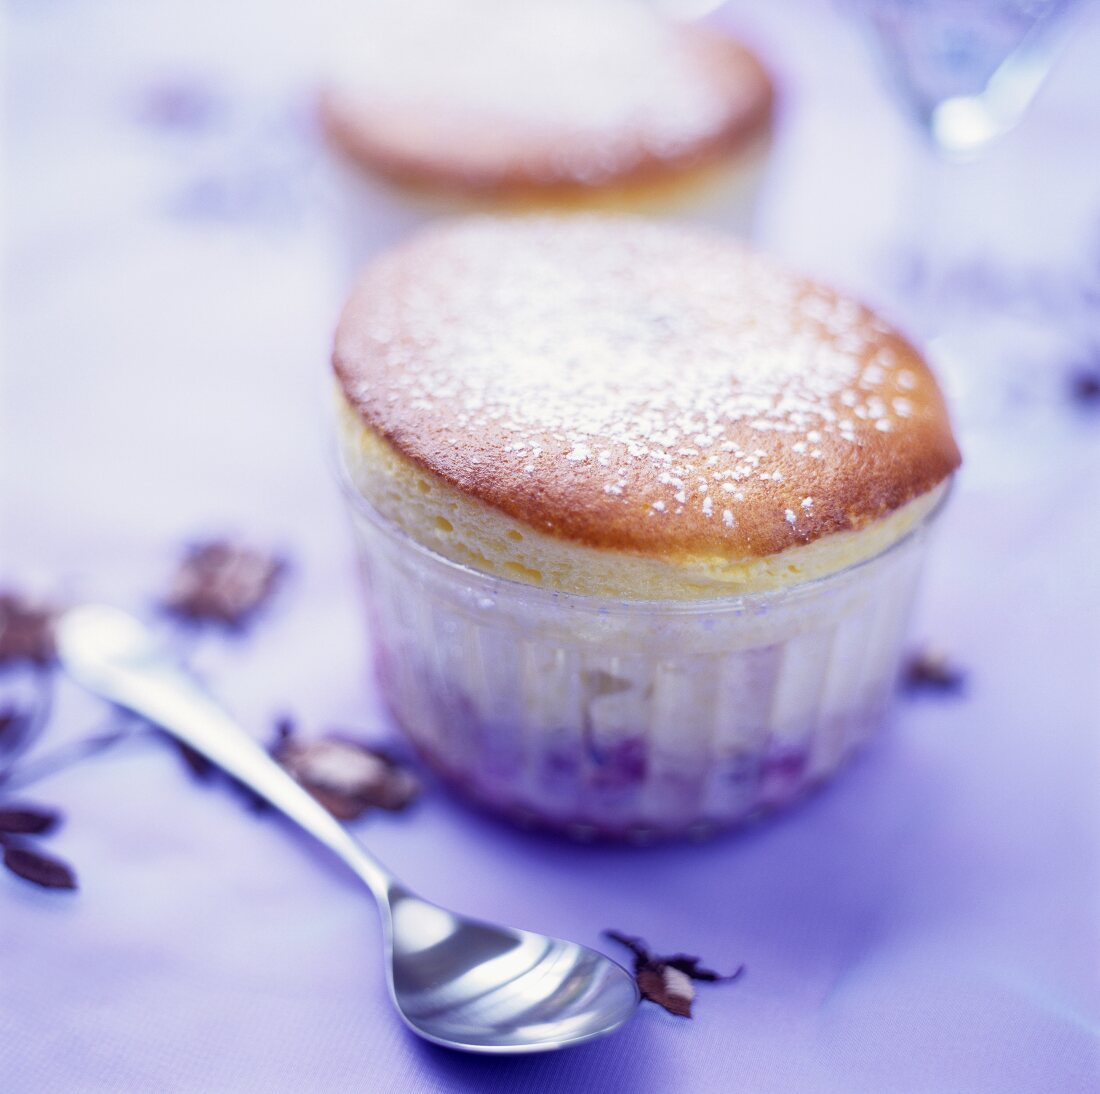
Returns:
(540, 97)
(637, 385)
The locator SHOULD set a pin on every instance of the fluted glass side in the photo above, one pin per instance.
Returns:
(629, 719)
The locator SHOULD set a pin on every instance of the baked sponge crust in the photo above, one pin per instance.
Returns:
(634, 387)
(465, 530)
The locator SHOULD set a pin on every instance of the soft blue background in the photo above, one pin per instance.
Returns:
(929, 924)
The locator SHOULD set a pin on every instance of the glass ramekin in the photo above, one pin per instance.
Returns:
(625, 719)
(371, 213)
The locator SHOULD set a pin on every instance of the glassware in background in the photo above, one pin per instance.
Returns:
(966, 72)
(965, 69)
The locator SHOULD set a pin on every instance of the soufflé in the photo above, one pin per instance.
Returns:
(641, 515)
(457, 106)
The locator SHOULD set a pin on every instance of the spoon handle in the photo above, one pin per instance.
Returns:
(150, 684)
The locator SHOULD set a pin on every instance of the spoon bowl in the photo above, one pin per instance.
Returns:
(461, 982)
(457, 982)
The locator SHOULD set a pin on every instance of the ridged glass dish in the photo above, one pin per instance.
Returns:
(632, 719)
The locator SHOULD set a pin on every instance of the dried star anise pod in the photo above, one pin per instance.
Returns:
(932, 671)
(346, 776)
(26, 630)
(223, 582)
(668, 980)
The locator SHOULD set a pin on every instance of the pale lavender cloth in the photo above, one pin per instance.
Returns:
(928, 924)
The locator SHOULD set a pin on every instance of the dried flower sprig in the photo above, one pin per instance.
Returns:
(215, 582)
(1084, 386)
(931, 670)
(27, 643)
(18, 821)
(116, 728)
(180, 105)
(669, 981)
(22, 857)
(202, 770)
(26, 631)
(347, 776)
(18, 727)
(224, 583)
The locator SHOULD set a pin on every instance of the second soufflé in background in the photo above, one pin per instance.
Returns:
(437, 106)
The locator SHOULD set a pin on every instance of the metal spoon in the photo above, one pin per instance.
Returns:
(455, 981)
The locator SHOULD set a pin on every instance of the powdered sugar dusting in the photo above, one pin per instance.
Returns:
(603, 83)
(668, 369)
